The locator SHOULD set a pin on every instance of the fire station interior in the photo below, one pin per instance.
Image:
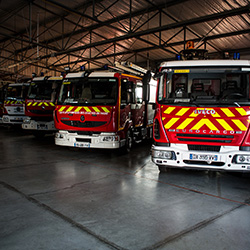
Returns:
(60, 197)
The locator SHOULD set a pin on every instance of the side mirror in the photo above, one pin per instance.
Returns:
(146, 78)
(157, 75)
(129, 86)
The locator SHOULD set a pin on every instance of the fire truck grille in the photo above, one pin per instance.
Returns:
(214, 163)
(205, 138)
(204, 148)
(41, 112)
(83, 140)
(43, 119)
(87, 124)
(84, 132)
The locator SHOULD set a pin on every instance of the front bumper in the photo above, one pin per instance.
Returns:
(102, 140)
(38, 125)
(13, 119)
(178, 156)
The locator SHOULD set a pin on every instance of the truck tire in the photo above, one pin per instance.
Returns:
(129, 142)
(163, 169)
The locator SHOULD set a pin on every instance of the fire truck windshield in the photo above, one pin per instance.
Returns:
(40, 90)
(17, 91)
(89, 91)
(197, 86)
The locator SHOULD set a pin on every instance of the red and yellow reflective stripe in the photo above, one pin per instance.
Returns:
(89, 109)
(13, 102)
(40, 104)
(229, 119)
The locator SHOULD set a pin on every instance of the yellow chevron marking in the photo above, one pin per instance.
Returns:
(216, 114)
(163, 118)
(241, 111)
(185, 123)
(227, 112)
(29, 103)
(224, 124)
(87, 109)
(34, 104)
(61, 109)
(193, 115)
(78, 109)
(69, 109)
(240, 125)
(46, 104)
(105, 109)
(182, 111)
(171, 123)
(40, 104)
(206, 122)
(96, 109)
(169, 110)
(52, 104)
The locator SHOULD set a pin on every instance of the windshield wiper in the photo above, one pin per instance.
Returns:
(237, 104)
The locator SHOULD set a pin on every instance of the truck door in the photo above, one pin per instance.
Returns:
(126, 100)
(138, 107)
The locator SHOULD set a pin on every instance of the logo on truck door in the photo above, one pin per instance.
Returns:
(204, 111)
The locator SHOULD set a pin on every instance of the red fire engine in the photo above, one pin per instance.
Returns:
(14, 103)
(104, 109)
(3, 87)
(202, 115)
(40, 104)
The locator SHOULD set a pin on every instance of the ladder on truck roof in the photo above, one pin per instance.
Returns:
(131, 68)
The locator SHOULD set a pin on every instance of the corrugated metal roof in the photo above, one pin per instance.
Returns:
(50, 34)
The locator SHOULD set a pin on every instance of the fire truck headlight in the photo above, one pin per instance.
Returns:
(5, 119)
(59, 135)
(162, 154)
(27, 120)
(110, 138)
(243, 159)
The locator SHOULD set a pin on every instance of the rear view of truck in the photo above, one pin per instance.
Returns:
(202, 115)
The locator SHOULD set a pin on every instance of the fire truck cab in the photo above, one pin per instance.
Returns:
(103, 109)
(202, 115)
(14, 103)
(3, 87)
(40, 104)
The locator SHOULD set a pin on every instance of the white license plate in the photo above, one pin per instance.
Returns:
(82, 145)
(203, 157)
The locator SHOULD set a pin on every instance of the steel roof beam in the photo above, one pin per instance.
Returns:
(209, 38)
(113, 20)
(238, 11)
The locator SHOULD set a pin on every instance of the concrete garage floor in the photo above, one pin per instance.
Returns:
(55, 198)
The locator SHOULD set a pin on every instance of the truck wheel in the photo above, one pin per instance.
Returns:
(129, 142)
(163, 169)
